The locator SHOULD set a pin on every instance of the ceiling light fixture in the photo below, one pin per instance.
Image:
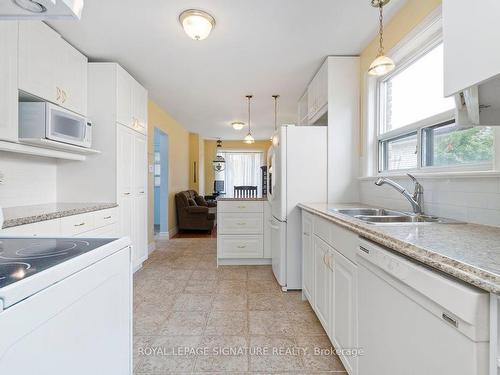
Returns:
(197, 23)
(219, 163)
(275, 138)
(31, 6)
(238, 125)
(382, 64)
(249, 139)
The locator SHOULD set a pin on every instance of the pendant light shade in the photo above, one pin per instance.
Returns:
(219, 163)
(249, 139)
(382, 64)
(275, 138)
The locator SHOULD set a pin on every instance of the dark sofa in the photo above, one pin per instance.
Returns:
(193, 211)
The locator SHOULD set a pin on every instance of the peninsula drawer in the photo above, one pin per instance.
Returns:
(105, 217)
(240, 246)
(240, 206)
(240, 223)
(76, 224)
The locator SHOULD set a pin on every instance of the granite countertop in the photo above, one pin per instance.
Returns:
(469, 252)
(242, 199)
(21, 215)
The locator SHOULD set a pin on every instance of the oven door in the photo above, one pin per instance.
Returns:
(66, 126)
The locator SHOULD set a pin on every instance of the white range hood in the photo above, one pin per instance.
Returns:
(41, 9)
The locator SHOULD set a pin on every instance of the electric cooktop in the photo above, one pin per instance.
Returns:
(23, 257)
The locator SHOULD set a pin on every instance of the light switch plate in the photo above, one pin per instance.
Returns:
(151, 168)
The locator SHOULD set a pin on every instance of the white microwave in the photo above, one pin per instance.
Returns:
(43, 120)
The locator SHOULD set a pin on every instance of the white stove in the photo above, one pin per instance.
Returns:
(67, 303)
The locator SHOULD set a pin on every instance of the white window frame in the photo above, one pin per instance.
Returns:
(420, 41)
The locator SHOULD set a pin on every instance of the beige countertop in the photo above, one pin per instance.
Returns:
(21, 215)
(469, 252)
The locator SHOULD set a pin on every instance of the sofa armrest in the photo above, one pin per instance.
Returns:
(197, 210)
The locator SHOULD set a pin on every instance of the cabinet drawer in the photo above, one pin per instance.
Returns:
(240, 206)
(73, 225)
(105, 217)
(237, 223)
(343, 240)
(109, 231)
(234, 246)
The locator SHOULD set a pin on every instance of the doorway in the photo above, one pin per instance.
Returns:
(160, 183)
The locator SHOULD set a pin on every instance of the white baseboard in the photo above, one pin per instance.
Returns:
(151, 247)
(244, 262)
(162, 236)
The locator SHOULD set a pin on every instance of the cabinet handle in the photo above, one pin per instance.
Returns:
(306, 234)
(141, 192)
(241, 246)
(450, 320)
(241, 223)
(126, 193)
(58, 93)
(79, 225)
(64, 96)
(242, 206)
(106, 217)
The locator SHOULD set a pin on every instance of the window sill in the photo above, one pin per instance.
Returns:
(435, 175)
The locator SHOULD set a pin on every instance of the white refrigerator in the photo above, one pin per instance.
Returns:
(297, 162)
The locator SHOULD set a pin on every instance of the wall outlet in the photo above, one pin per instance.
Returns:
(151, 168)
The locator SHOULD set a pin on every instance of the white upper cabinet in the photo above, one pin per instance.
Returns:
(471, 38)
(51, 68)
(317, 94)
(132, 102)
(8, 78)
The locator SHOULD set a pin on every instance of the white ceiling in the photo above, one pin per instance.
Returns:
(259, 47)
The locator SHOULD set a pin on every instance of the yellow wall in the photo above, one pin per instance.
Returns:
(409, 16)
(210, 147)
(196, 155)
(178, 161)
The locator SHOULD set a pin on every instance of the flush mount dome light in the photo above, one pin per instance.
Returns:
(31, 6)
(238, 125)
(196, 23)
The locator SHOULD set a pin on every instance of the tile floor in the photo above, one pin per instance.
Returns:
(187, 312)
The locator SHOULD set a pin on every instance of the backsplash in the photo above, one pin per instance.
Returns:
(27, 179)
(471, 199)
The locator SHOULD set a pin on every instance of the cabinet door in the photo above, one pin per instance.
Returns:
(73, 79)
(345, 311)
(140, 108)
(307, 258)
(39, 60)
(140, 217)
(125, 161)
(471, 31)
(8, 77)
(322, 283)
(123, 97)
(127, 220)
(267, 230)
(140, 164)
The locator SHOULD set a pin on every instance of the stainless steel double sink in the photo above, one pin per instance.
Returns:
(382, 216)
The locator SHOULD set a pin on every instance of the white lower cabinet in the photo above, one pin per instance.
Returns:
(240, 246)
(330, 282)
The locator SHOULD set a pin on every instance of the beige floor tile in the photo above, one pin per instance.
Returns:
(181, 323)
(266, 301)
(231, 286)
(159, 355)
(201, 286)
(232, 273)
(319, 354)
(263, 286)
(270, 323)
(294, 301)
(223, 353)
(193, 302)
(306, 323)
(261, 273)
(230, 302)
(204, 275)
(227, 323)
(282, 354)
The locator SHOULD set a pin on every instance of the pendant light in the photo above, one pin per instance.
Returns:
(249, 138)
(382, 64)
(275, 138)
(196, 23)
(219, 163)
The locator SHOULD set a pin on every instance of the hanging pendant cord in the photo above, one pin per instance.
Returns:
(381, 31)
(249, 97)
(276, 111)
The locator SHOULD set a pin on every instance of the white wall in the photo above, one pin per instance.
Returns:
(471, 199)
(27, 180)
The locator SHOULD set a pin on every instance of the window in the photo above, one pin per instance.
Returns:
(242, 169)
(416, 122)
